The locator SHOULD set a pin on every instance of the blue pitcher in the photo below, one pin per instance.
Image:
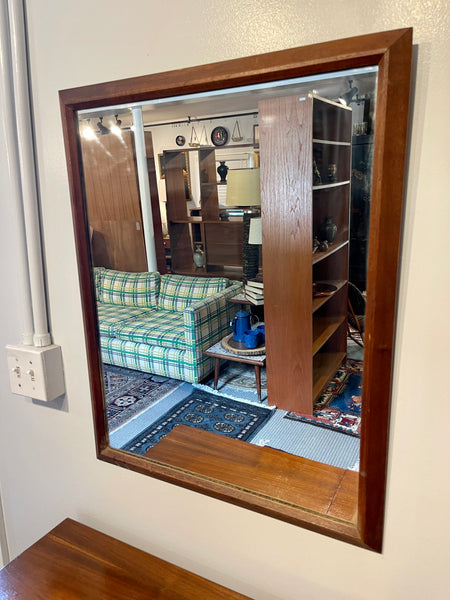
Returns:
(240, 323)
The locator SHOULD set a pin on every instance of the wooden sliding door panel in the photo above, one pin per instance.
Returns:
(114, 202)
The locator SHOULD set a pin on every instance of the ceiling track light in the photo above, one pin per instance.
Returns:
(115, 128)
(348, 97)
(88, 132)
(102, 129)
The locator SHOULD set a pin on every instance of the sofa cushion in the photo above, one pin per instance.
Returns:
(169, 362)
(111, 315)
(156, 328)
(139, 290)
(179, 291)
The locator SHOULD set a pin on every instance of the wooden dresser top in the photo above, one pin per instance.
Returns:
(75, 562)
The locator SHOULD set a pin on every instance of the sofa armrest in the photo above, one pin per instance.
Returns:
(207, 321)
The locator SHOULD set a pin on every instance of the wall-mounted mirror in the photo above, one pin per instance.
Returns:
(168, 258)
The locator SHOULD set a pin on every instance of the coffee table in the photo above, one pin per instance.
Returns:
(218, 352)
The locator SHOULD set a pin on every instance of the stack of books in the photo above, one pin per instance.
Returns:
(254, 290)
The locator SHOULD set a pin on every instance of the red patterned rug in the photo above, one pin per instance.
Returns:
(339, 407)
(129, 392)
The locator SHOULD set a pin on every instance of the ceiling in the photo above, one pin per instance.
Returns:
(241, 100)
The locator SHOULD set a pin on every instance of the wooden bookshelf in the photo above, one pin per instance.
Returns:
(220, 240)
(309, 343)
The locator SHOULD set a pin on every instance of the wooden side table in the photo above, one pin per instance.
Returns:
(218, 352)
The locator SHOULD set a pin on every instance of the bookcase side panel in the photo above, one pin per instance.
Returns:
(285, 126)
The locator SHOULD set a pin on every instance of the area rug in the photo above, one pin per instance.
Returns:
(129, 392)
(237, 380)
(206, 411)
(339, 407)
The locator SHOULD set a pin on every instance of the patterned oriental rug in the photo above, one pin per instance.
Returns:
(339, 407)
(130, 392)
(240, 420)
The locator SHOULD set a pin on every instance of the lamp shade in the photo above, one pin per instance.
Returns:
(243, 187)
(255, 233)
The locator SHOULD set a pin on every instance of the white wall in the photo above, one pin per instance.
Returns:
(48, 468)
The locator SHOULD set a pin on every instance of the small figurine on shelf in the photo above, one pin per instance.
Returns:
(199, 256)
(332, 173)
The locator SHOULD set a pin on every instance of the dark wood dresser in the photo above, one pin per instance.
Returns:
(75, 562)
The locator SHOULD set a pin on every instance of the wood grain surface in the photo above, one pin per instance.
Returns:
(285, 129)
(314, 486)
(75, 562)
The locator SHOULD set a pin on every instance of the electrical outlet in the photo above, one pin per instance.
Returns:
(36, 372)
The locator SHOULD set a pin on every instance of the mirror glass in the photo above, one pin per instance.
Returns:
(159, 184)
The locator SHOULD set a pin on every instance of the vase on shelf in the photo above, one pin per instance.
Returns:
(327, 230)
(222, 169)
(199, 257)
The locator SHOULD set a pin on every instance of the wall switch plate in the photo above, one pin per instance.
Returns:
(36, 372)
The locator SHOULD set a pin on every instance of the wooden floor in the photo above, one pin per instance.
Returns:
(75, 562)
(322, 489)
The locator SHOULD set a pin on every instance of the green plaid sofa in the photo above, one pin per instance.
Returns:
(162, 323)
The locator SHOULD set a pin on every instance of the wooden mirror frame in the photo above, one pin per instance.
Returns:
(358, 516)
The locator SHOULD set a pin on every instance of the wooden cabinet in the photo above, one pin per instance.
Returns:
(114, 204)
(304, 138)
(220, 240)
(106, 568)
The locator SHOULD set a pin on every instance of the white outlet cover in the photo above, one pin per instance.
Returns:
(36, 372)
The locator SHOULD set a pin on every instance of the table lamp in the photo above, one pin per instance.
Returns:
(244, 190)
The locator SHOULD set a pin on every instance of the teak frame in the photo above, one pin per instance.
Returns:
(262, 479)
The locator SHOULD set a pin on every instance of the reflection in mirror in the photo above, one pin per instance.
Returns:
(303, 151)
(173, 195)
